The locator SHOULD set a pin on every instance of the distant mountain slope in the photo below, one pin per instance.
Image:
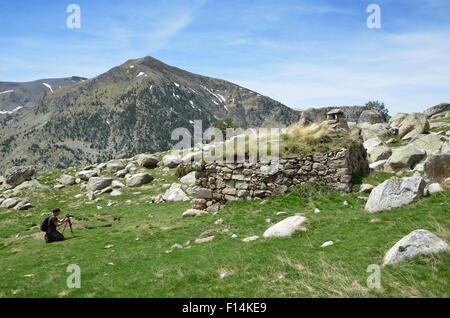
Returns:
(14, 96)
(130, 109)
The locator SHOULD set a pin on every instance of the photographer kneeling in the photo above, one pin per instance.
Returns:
(50, 224)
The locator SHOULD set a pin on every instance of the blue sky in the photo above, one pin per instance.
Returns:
(302, 53)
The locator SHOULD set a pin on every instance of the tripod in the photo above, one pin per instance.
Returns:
(70, 226)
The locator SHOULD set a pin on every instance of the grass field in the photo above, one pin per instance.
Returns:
(139, 261)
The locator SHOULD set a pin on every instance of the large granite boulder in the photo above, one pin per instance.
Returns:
(430, 143)
(436, 110)
(16, 175)
(115, 166)
(147, 161)
(394, 193)
(189, 178)
(418, 242)
(284, 228)
(171, 161)
(381, 152)
(86, 174)
(375, 130)
(370, 116)
(139, 179)
(9, 203)
(396, 120)
(404, 158)
(437, 168)
(414, 124)
(175, 193)
(98, 183)
(67, 180)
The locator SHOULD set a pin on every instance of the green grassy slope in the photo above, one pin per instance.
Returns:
(141, 264)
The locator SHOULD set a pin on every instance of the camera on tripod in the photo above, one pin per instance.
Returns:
(70, 215)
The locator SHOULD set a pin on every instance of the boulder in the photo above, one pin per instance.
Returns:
(115, 193)
(394, 193)
(115, 166)
(250, 238)
(396, 120)
(434, 188)
(175, 194)
(404, 158)
(16, 175)
(370, 116)
(117, 184)
(437, 168)
(23, 205)
(121, 173)
(432, 111)
(171, 161)
(9, 203)
(372, 143)
(66, 180)
(375, 130)
(86, 174)
(382, 152)
(430, 143)
(378, 166)
(418, 242)
(366, 188)
(189, 178)
(98, 183)
(147, 161)
(139, 179)
(286, 227)
(31, 185)
(193, 212)
(414, 124)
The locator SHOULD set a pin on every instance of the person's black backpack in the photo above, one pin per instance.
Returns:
(44, 224)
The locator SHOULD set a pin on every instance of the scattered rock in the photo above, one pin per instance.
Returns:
(98, 183)
(418, 242)
(396, 120)
(174, 246)
(115, 193)
(204, 240)
(117, 184)
(16, 175)
(139, 179)
(59, 186)
(87, 174)
(175, 194)
(9, 203)
(394, 193)
(147, 161)
(281, 213)
(435, 110)
(327, 243)
(66, 180)
(219, 222)
(370, 116)
(285, 228)
(435, 188)
(189, 178)
(366, 188)
(171, 161)
(316, 210)
(23, 205)
(250, 238)
(193, 212)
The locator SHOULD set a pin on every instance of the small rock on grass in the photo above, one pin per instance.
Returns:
(250, 238)
(174, 246)
(204, 240)
(327, 243)
(316, 210)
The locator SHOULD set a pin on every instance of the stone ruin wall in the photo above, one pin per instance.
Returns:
(219, 183)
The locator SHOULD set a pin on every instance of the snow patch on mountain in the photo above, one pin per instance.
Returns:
(48, 86)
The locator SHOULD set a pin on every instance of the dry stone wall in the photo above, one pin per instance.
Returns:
(219, 183)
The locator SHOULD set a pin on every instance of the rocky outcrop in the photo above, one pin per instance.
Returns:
(375, 130)
(404, 158)
(430, 143)
(437, 168)
(66, 180)
(394, 193)
(396, 120)
(189, 178)
(418, 242)
(434, 111)
(16, 175)
(86, 174)
(414, 124)
(370, 116)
